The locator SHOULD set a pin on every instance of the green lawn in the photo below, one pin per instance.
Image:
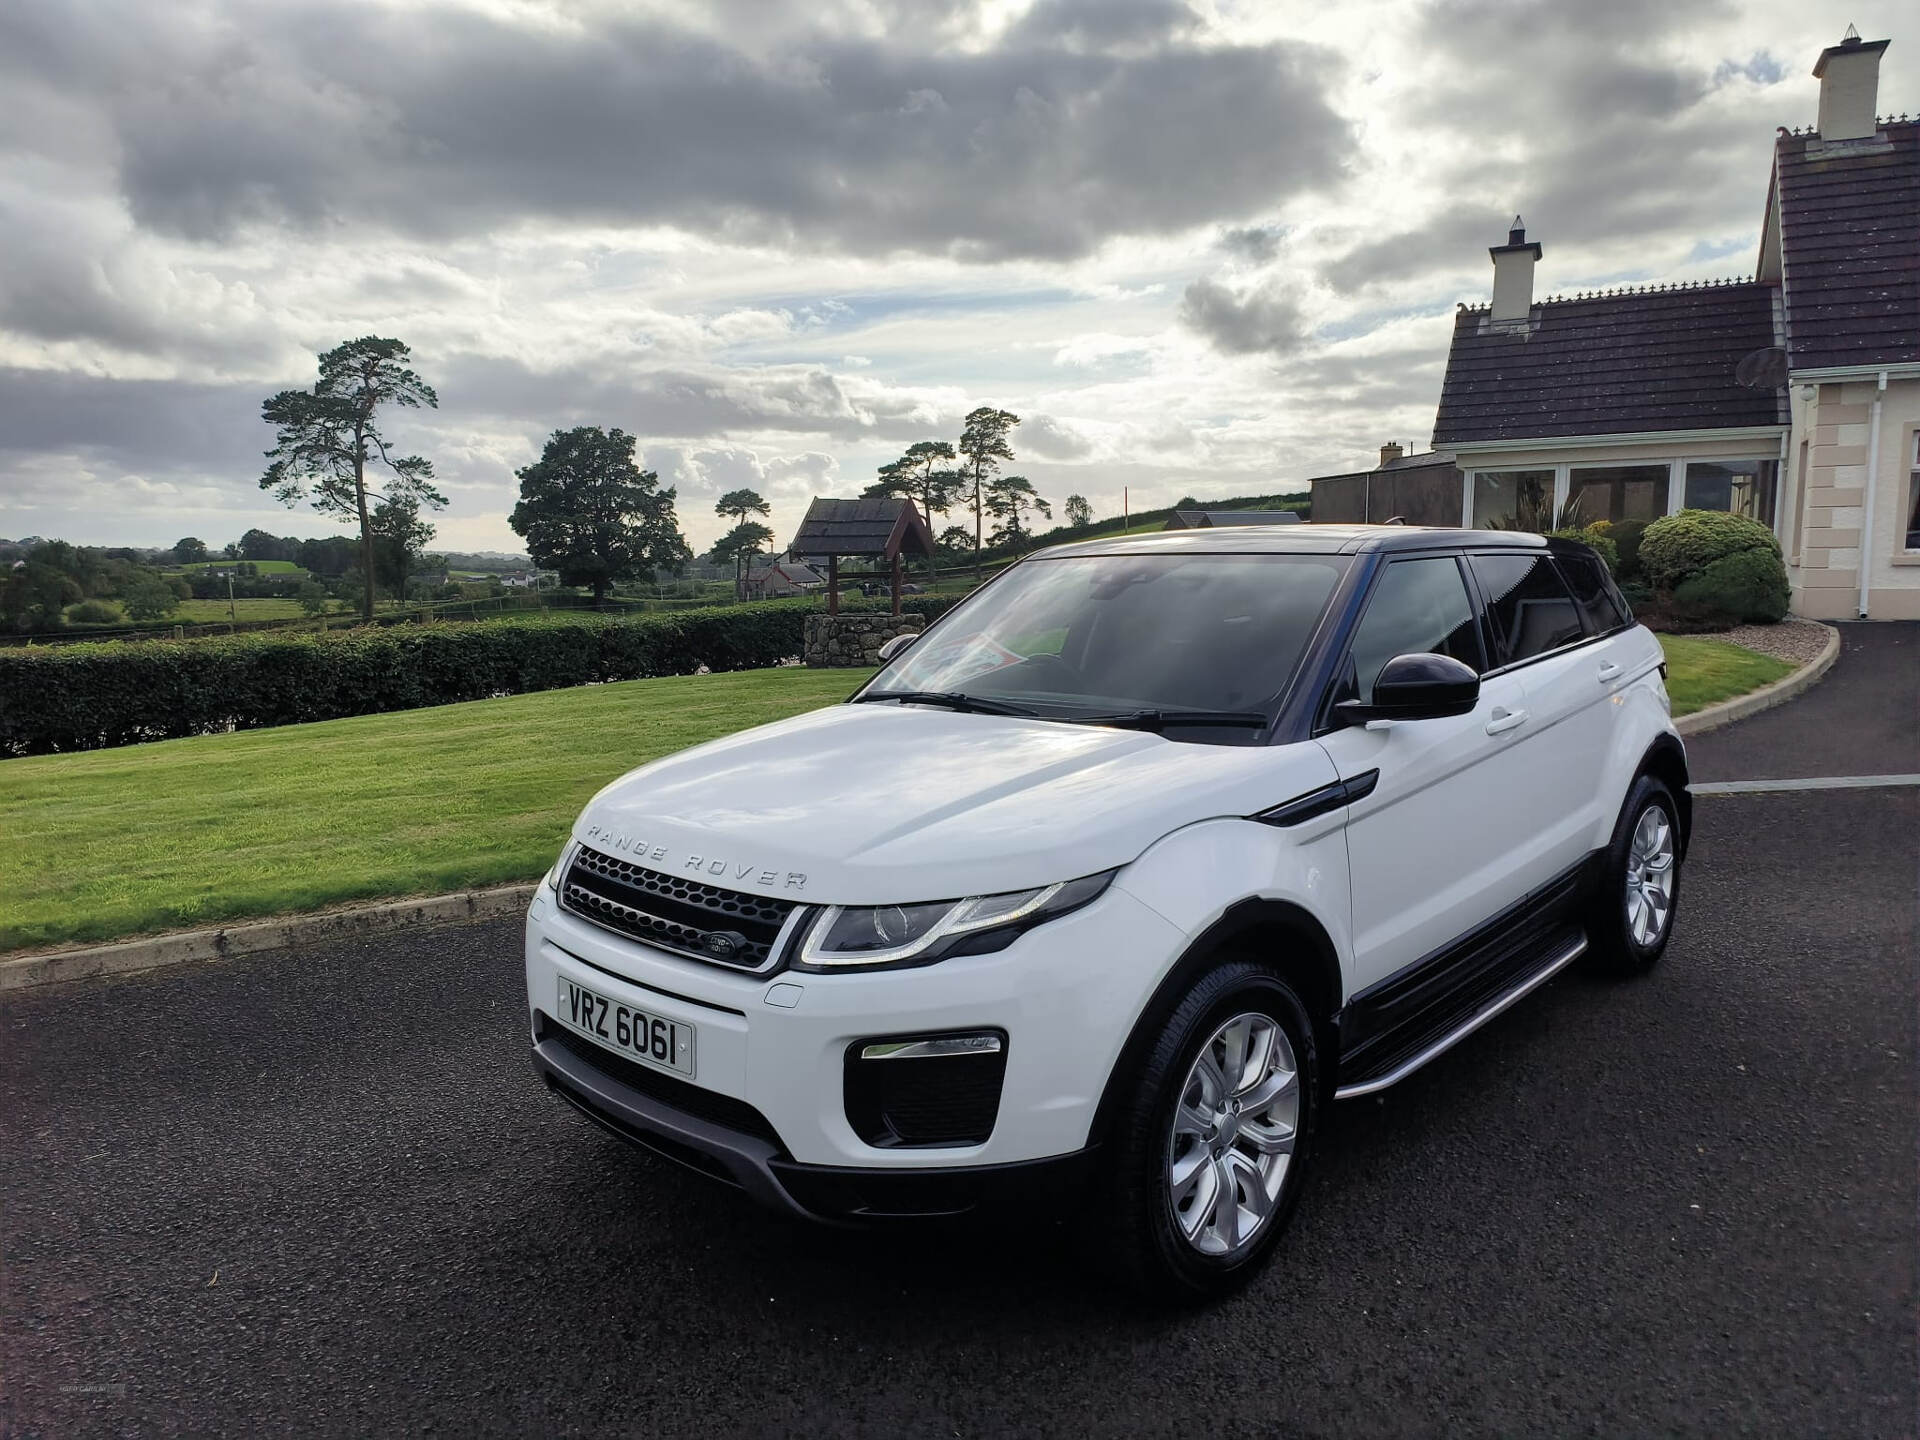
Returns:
(110, 843)
(1701, 672)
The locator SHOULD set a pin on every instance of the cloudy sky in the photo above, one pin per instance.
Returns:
(1210, 247)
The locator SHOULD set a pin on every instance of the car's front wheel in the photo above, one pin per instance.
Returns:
(1631, 919)
(1209, 1151)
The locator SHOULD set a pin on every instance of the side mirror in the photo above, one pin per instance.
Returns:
(894, 646)
(1415, 687)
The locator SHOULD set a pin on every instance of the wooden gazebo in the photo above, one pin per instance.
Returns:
(882, 529)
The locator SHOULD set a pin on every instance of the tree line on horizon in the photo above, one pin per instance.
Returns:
(587, 510)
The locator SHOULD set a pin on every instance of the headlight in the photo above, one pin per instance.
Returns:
(560, 865)
(844, 937)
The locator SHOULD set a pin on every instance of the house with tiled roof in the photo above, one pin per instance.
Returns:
(1793, 397)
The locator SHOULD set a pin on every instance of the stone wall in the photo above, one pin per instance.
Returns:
(852, 641)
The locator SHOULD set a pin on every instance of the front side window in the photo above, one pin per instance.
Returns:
(1513, 500)
(1529, 608)
(1614, 492)
(1744, 487)
(1419, 607)
(1086, 634)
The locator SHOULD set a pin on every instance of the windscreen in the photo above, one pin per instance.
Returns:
(1115, 632)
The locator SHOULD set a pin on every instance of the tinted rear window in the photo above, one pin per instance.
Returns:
(1593, 590)
(1529, 609)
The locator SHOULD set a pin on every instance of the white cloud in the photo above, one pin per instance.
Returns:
(1208, 248)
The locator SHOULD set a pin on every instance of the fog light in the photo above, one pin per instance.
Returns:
(944, 1092)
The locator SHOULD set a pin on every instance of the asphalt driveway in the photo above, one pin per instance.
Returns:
(321, 1191)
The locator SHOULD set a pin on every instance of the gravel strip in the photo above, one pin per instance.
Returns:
(1795, 641)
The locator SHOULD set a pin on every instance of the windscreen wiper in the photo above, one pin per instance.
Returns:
(1158, 720)
(952, 699)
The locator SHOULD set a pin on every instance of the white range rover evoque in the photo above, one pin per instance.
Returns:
(1111, 882)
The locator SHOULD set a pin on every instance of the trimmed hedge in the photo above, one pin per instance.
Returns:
(1683, 544)
(91, 696)
(1747, 587)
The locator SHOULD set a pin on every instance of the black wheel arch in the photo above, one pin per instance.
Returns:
(1666, 760)
(1275, 933)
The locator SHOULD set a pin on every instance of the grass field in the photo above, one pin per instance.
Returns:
(207, 612)
(1701, 672)
(261, 567)
(109, 843)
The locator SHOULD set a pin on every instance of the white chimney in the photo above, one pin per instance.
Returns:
(1513, 275)
(1849, 76)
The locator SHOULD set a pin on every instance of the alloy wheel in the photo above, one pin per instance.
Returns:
(1649, 896)
(1233, 1134)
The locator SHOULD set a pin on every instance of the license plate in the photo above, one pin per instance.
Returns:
(650, 1039)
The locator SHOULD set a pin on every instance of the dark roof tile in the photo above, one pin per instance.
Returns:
(1850, 247)
(1609, 364)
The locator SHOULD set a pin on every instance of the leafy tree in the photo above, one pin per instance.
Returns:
(149, 597)
(1078, 511)
(36, 595)
(189, 551)
(956, 538)
(331, 556)
(259, 545)
(312, 597)
(589, 512)
(924, 475)
(738, 547)
(983, 445)
(1009, 498)
(328, 437)
(399, 535)
(737, 505)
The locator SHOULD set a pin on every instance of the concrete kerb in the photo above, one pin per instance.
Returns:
(1767, 696)
(184, 947)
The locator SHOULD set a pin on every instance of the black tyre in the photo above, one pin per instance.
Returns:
(1212, 1143)
(1631, 918)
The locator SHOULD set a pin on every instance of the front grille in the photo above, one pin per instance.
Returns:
(687, 1098)
(675, 914)
(947, 1100)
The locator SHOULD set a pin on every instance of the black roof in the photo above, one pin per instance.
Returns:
(1639, 360)
(1296, 540)
(861, 527)
(1850, 247)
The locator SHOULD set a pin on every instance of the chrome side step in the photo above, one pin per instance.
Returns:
(1472, 1023)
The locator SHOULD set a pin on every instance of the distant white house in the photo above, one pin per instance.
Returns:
(783, 577)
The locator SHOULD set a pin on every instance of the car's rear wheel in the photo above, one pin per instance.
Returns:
(1208, 1152)
(1631, 919)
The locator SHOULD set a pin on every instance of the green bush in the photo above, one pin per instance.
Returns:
(1746, 587)
(93, 612)
(90, 696)
(1637, 593)
(1595, 538)
(1626, 536)
(1679, 547)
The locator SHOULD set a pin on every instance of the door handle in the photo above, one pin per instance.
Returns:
(1504, 720)
(1608, 671)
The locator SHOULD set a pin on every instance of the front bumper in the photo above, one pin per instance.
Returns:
(1065, 995)
(832, 1193)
